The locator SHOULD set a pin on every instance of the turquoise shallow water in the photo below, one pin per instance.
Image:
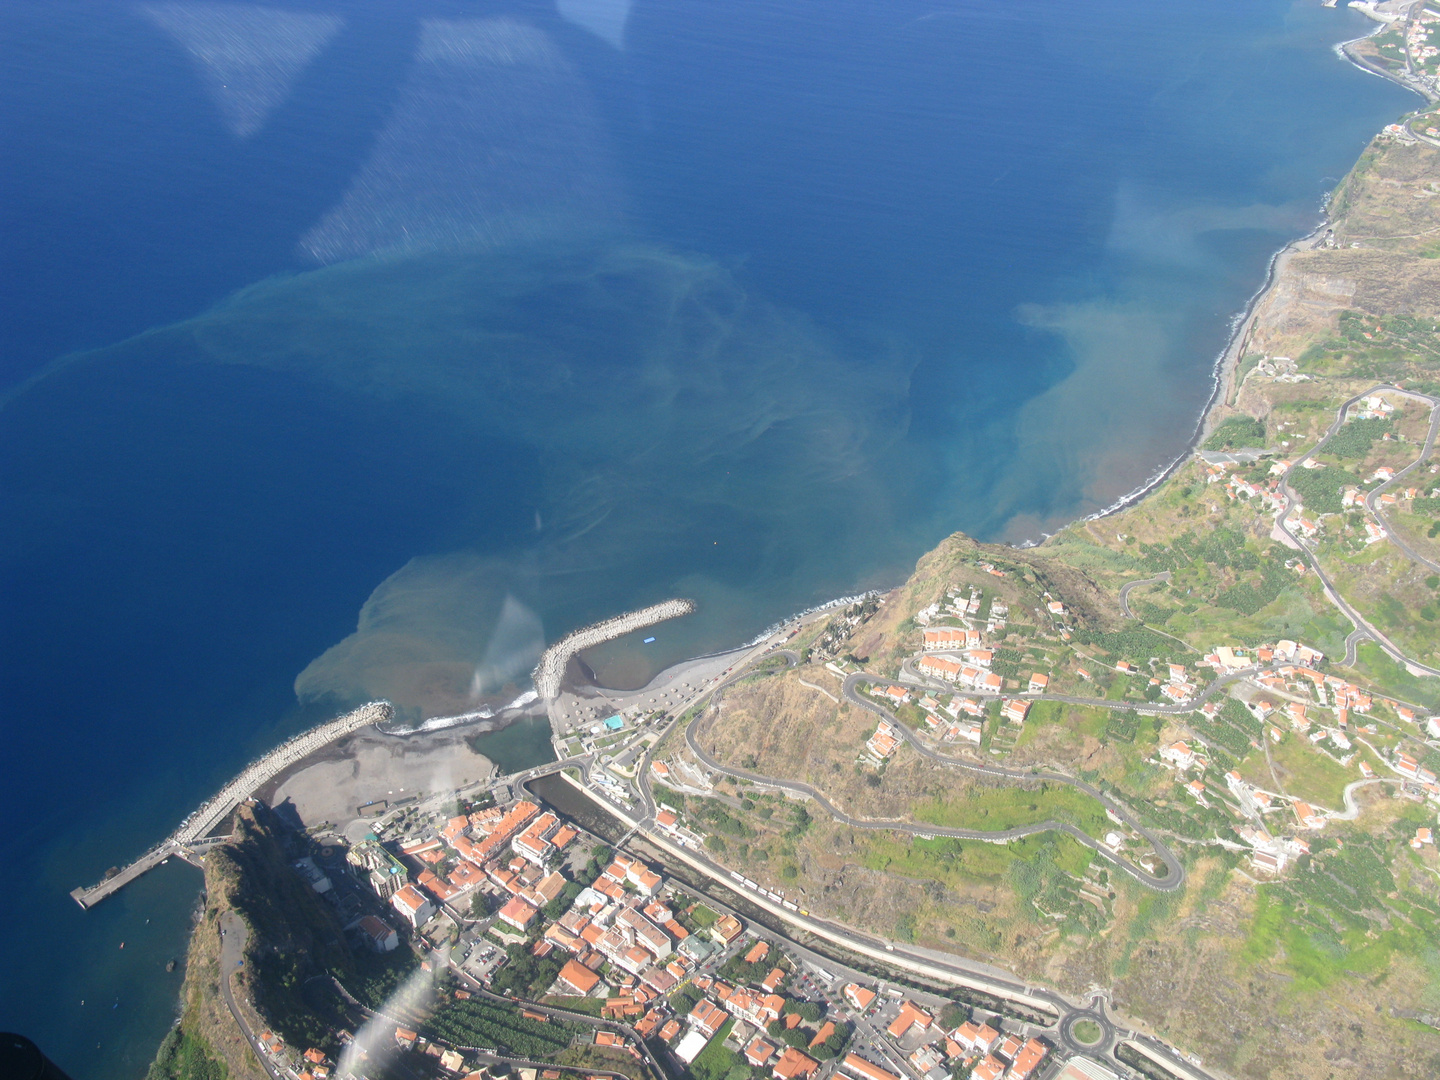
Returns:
(750, 303)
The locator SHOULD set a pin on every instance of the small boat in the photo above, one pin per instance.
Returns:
(122, 944)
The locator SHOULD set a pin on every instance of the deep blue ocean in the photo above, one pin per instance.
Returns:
(357, 349)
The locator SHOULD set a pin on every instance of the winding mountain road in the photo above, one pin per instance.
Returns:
(1170, 881)
(1174, 876)
(234, 934)
(1373, 498)
(1125, 591)
(1292, 499)
(944, 965)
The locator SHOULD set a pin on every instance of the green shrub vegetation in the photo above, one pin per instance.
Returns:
(714, 1062)
(1138, 644)
(1355, 438)
(525, 974)
(378, 976)
(1341, 911)
(685, 999)
(183, 1055)
(999, 808)
(1249, 597)
(736, 970)
(1235, 432)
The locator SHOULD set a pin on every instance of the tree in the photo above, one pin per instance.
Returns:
(838, 1038)
(685, 999)
(561, 904)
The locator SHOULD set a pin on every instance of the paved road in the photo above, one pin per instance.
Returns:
(232, 953)
(1173, 878)
(1372, 499)
(1096, 1015)
(1301, 545)
(1125, 591)
(943, 965)
(1352, 642)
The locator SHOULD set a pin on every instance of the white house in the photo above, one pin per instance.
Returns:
(414, 905)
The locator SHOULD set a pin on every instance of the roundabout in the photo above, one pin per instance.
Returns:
(1087, 1031)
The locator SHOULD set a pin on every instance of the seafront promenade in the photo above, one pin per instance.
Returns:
(551, 669)
(190, 837)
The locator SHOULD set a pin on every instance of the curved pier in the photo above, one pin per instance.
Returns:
(551, 669)
(189, 839)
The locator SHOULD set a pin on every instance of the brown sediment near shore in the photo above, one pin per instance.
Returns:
(1227, 365)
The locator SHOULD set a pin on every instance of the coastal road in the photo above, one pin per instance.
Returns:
(232, 954)
(741, 670)
(1300, 544)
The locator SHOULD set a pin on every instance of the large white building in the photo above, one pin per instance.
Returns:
(414, 905)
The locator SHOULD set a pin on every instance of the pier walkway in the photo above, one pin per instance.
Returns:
(189, 841)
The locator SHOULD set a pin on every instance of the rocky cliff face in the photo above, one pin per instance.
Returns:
(290, 934)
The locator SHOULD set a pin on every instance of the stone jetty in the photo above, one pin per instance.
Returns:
(551, 669)
(190, 837)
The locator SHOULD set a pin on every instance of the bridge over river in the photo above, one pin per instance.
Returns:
(190, 841)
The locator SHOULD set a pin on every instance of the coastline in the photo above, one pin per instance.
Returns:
(1222, 371)
(551, 671)
(1227, 363)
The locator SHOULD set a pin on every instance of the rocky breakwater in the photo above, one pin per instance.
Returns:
(190, 836)
(265, 769)
(551, 669)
